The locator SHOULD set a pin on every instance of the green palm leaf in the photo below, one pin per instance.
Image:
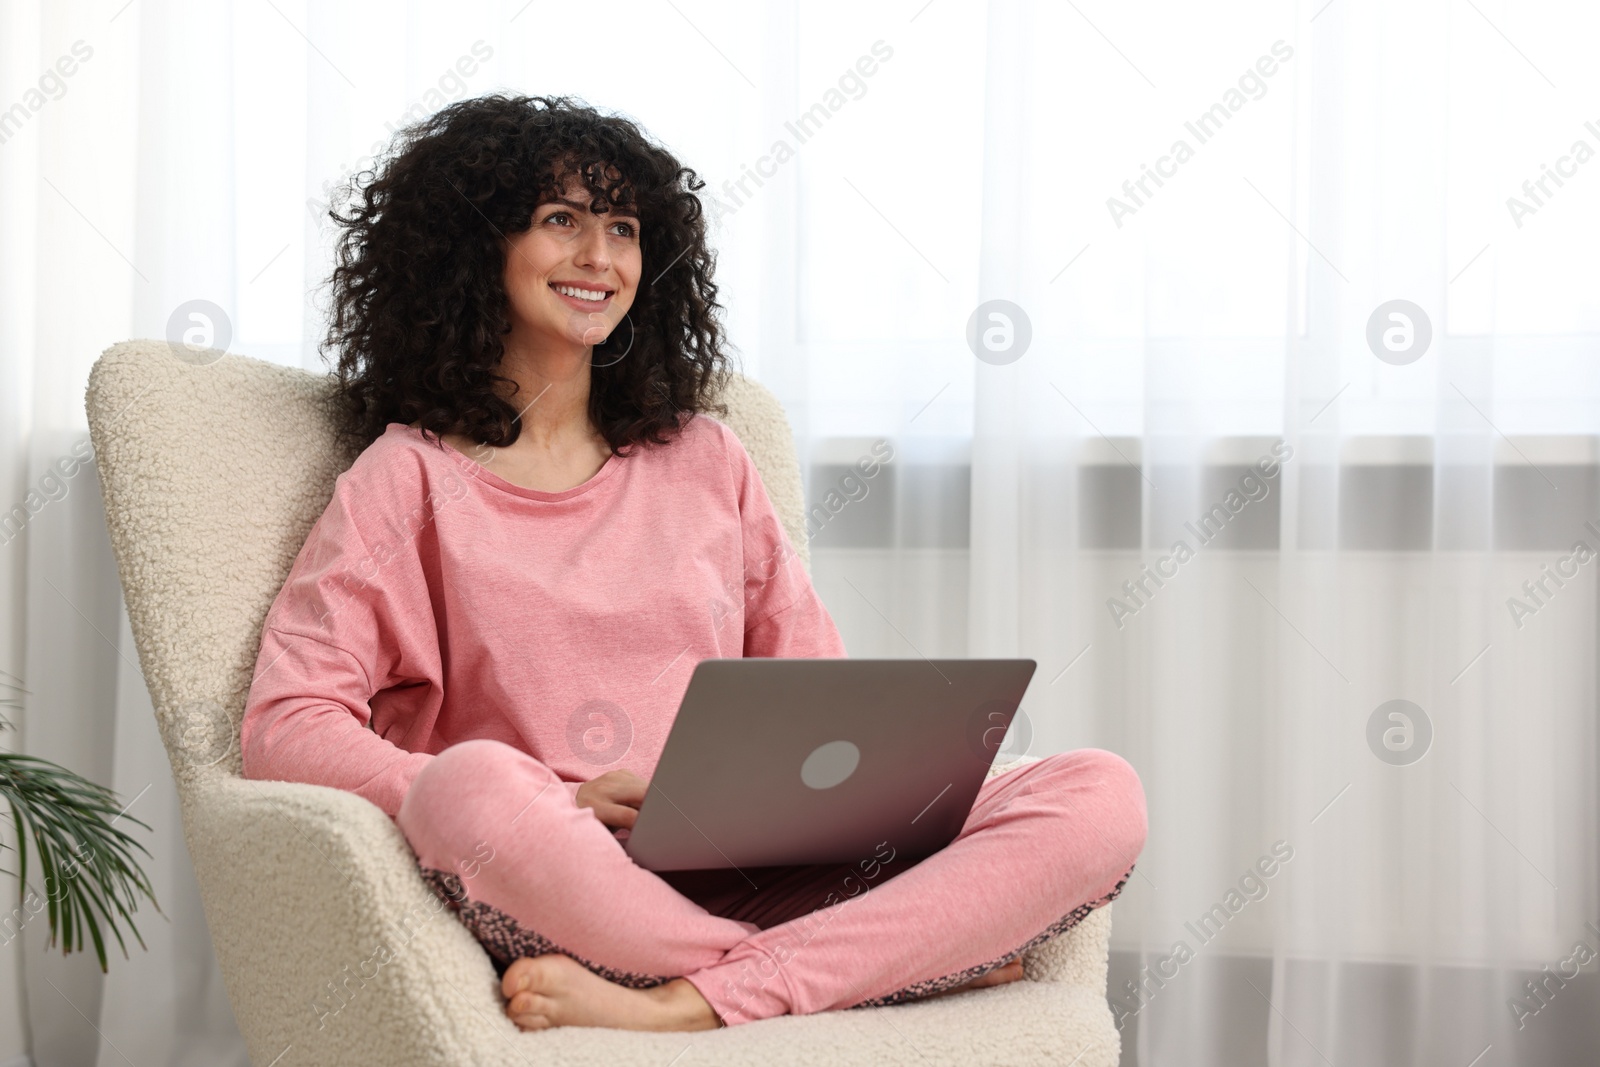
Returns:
(91, 877)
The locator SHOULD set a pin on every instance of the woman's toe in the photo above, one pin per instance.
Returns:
(528, 1012)
(516, 977)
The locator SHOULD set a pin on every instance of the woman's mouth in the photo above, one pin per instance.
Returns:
(582, 297)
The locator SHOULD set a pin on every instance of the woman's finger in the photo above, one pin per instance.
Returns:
(620, 816)
(623, 787)
(630, 790)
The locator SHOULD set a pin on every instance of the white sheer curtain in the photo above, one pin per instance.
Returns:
(1380, 903)
(935, 157)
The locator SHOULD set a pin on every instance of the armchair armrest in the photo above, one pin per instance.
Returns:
(327, 936)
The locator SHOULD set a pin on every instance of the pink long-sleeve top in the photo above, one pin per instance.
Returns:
(436, 602)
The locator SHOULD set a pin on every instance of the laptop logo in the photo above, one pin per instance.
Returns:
(830, 764)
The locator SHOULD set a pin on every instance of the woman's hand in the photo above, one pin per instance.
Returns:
(615, 797)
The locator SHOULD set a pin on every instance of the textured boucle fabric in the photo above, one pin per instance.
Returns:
(334, 950)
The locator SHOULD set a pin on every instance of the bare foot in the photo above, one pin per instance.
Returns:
(556, 990)
(1011, 972)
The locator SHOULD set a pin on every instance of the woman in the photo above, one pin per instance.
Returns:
(488, 630)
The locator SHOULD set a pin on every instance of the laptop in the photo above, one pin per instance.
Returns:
(772, 762)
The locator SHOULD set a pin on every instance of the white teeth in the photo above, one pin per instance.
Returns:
(581, 294)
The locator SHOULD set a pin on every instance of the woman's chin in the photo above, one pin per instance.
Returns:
(589, 329)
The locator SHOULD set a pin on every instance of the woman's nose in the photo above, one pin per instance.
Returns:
(592, 251)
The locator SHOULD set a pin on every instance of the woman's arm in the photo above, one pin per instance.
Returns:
(348, 623)
(306, 721)
(783, 615)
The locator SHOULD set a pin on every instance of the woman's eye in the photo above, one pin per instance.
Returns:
(628, 228)
(556, 215)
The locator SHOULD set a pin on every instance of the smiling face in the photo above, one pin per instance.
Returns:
(572, 275)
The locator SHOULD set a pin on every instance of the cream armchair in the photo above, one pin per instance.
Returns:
(333, 949)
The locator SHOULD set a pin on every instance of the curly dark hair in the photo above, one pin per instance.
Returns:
(419, 307)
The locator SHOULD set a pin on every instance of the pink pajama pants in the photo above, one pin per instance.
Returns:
(500, 838)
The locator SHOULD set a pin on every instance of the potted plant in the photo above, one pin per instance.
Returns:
(91, 879)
